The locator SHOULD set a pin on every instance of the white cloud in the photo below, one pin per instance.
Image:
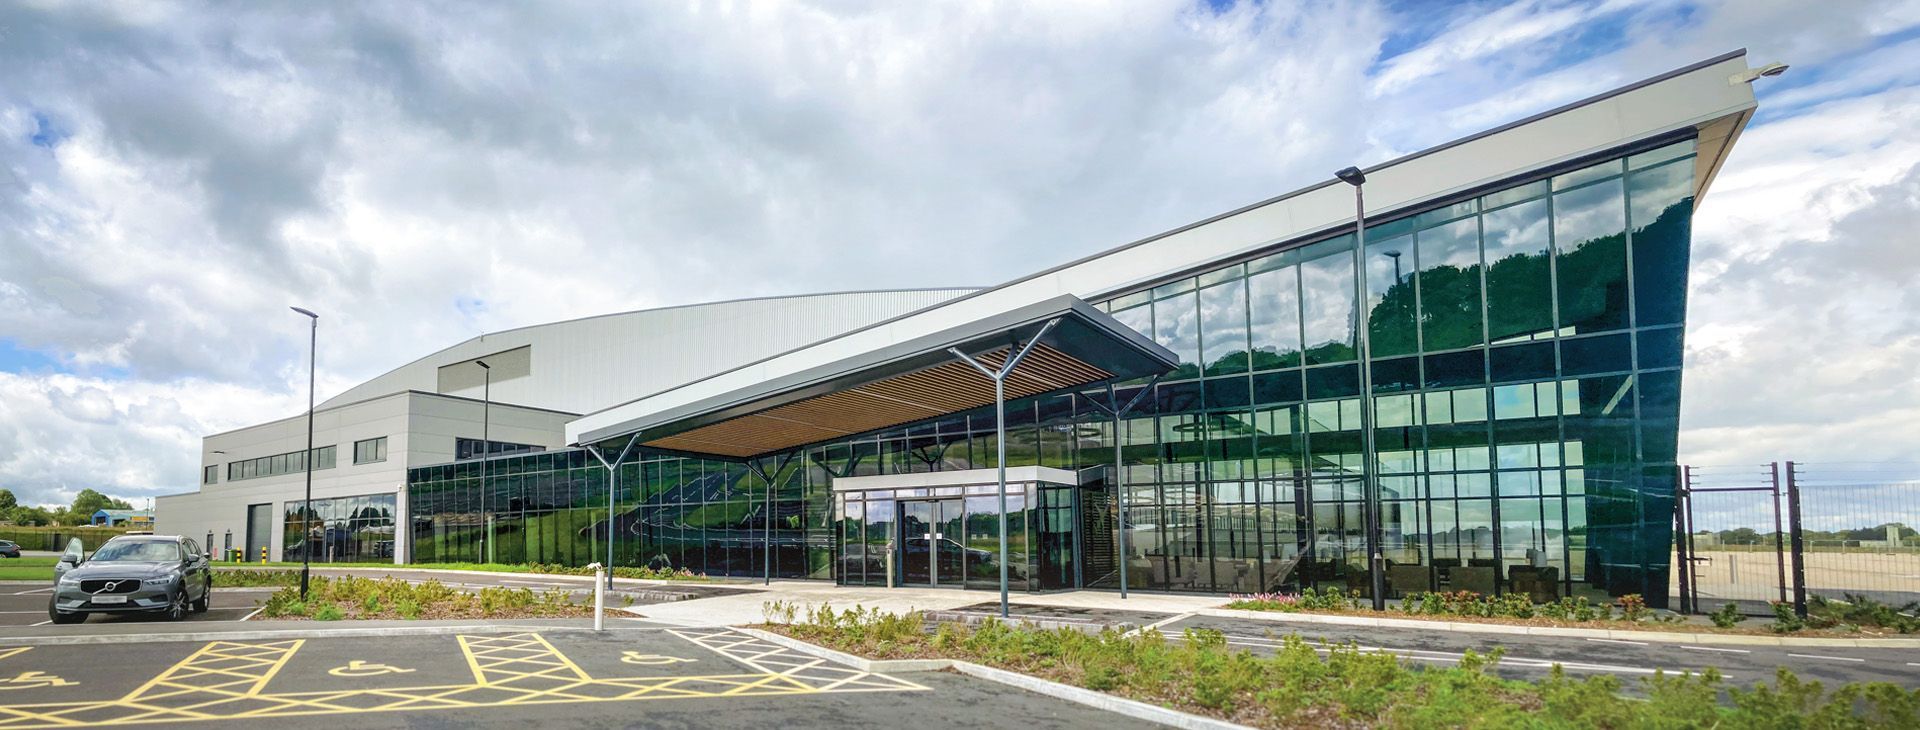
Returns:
(421, 173)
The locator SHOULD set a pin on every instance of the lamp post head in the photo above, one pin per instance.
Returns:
(1351, 176)
(305, 312)
(483, 364)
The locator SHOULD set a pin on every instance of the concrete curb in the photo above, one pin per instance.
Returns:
(1070, 693)
(346, 633)
(1100, 700)
(1665, 637)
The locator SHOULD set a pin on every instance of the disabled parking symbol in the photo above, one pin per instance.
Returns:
(651, 660)
(358, 668)
(34, 680)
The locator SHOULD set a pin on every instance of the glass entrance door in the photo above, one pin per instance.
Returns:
(931, 551)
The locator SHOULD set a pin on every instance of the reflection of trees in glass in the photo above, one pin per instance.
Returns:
(1519, 280)
(1661, 202)
(1589, 229)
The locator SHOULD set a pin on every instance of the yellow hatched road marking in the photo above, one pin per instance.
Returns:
(14, 651)
(227, 680)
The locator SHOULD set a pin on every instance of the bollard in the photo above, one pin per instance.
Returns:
(599, 595)
(263, 555)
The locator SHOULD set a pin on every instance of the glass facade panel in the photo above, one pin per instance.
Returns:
(341, 530)
(1520, 444)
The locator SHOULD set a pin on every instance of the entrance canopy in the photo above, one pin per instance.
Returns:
(913, 380)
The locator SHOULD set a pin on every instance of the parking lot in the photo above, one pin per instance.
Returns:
(26, 605)
(667, 676)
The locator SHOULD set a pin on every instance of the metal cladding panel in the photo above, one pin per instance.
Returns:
(583, 365)
(1695, 97)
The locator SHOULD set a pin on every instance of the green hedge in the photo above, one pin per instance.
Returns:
(55, 538)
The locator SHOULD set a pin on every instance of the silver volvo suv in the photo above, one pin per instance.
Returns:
(144, 573)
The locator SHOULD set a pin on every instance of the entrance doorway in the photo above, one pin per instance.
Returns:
(932, 554)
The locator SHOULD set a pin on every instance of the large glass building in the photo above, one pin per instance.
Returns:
(1484, 397)
(1525, 370)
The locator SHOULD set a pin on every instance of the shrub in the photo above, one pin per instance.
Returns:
(1727, 616)
(1634, 608)
(1785, 620)
(328, 613)
(1862, 610)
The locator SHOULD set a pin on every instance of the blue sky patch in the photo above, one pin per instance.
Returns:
(45, 133)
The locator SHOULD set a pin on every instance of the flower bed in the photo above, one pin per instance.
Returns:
(1347, 688)
(336, 598)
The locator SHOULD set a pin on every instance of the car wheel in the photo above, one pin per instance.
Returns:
(206, 600)
(177, 606)
(62, 617)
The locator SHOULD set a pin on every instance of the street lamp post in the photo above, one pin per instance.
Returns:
(486, 447)
(1369, 485)
(306, 507)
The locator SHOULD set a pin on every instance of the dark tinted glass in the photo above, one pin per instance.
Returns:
(1455, 369)
(1589, 234)
(1390, 299)
(1662, 213)
(1594, 355)
(1277, 387)
(1519, 280)
(1339, 381)
(1662, 348)
(1521, 362)
(1398, 374)
(1450, 285)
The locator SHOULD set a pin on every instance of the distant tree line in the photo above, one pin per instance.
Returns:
(1749, 536)
(81, 512)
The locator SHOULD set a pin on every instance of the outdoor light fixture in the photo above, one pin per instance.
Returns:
(306, 507)
(1754, 74)
(486, 447)
(1377, 565)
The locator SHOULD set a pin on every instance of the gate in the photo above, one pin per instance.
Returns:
(1785, 532)
(1730, 541)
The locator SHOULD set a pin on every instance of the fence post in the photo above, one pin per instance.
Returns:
(1799, 542)
(1779, 533)
(1681, 562)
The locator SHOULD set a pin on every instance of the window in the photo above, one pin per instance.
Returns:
(267, 466)
(472, 448)
(370, 450)
(210, 474)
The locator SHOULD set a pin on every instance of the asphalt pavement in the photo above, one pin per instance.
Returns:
(657, 677)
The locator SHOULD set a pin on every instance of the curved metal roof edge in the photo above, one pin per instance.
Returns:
(671, 307)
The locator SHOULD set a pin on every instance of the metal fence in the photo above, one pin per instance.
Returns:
(1786, 531)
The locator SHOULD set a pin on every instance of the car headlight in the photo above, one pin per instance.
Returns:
(161, 581)
(68, 578)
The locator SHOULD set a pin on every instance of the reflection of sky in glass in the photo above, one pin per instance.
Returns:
(1326, 286)
(1655, 189)
(1176, 326)
(1517, 231)
(1274, 303)
(1592, 212)
(1223, 311)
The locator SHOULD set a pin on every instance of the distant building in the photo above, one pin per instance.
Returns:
(135, 518)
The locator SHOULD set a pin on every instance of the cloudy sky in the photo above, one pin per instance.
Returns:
(173, 175)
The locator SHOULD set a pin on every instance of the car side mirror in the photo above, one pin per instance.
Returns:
(70, 559)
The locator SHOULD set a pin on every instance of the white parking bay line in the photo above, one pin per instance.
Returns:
(1833, 658)
(36, 590)
(43, 623)
(256, 612)
(1715, 648)
(1619, 641)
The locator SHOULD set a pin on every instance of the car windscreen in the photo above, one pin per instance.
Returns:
(138, 550)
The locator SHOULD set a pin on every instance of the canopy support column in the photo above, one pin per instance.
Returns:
(753, 465)
(613, 482)
(999, 378)
(1112, 406)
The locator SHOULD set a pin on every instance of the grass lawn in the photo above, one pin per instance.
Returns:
(28, 568)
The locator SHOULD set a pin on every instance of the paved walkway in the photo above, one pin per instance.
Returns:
(746, 608)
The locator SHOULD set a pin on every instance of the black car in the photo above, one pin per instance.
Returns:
(9, 549)
(147, 573)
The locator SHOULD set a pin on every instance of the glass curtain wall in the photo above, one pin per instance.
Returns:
(341, 530)
(1526, 347)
